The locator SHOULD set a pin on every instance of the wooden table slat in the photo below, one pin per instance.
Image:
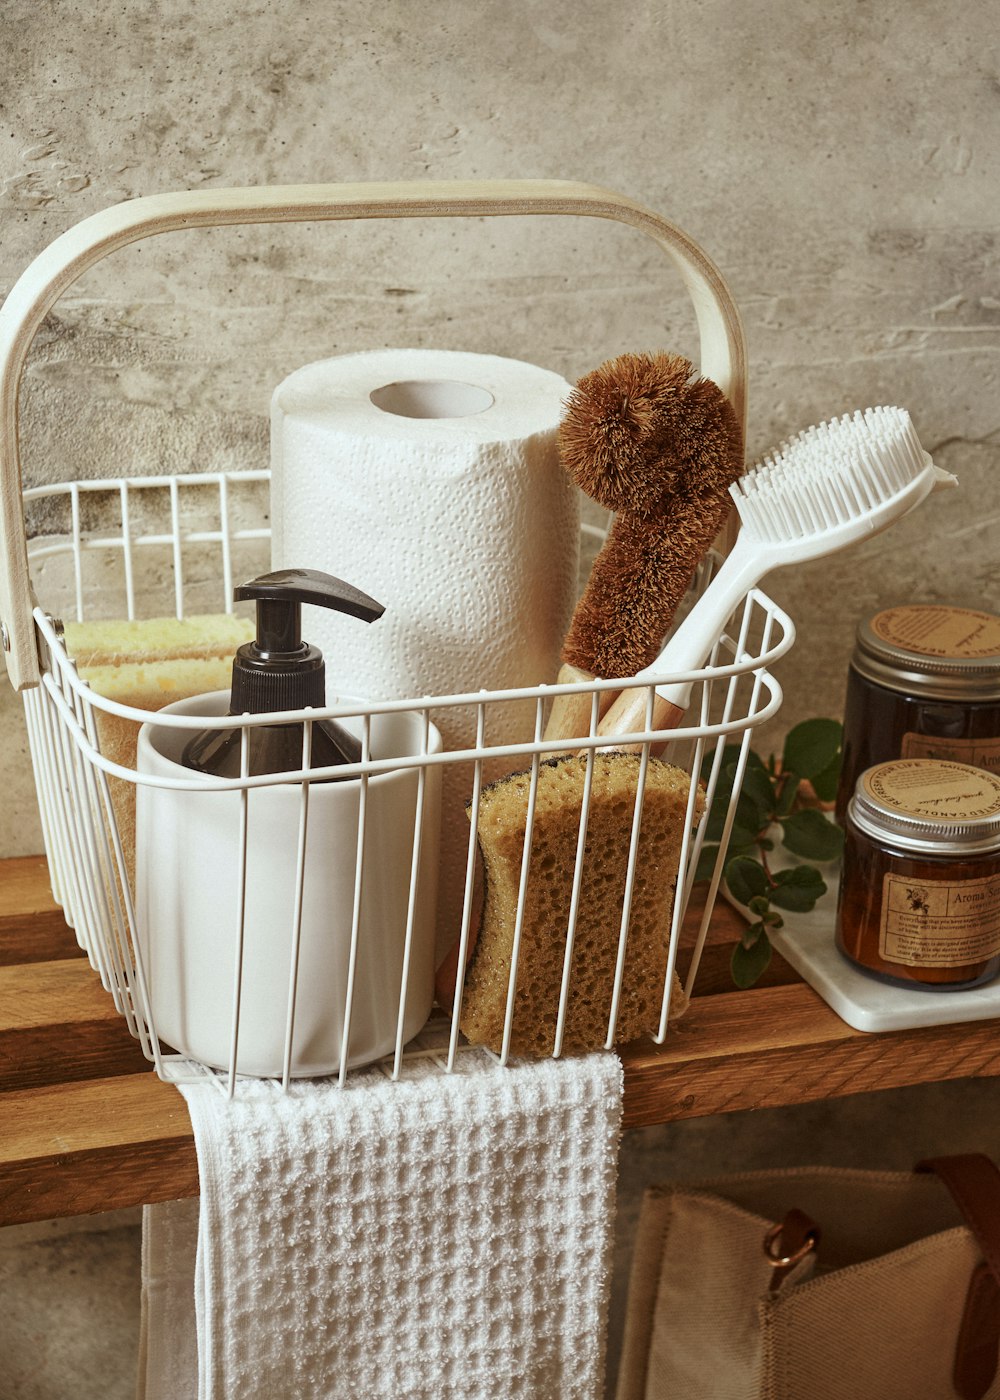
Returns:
(772, 1047)
(85, 1125)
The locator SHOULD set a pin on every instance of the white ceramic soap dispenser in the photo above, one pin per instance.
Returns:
(277, 922)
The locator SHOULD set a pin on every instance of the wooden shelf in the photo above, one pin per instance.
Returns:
(86, 1126)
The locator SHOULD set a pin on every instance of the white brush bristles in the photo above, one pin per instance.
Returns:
(830, 475)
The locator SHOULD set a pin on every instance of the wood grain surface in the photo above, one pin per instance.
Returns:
(85, 1125)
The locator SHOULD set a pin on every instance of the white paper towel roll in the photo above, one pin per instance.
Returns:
(430, 479)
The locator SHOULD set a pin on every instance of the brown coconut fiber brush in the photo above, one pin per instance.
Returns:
(646, 439)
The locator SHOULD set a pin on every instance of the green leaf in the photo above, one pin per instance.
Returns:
(708, 762)
(746, 823)
(706, 862)
(825, 784)
(748, 849)
(754, 805)
(730, 758)
(774, 920)
(812, 746)
(798, 889)
(759, 905)
(809, 834)
(707, 855)
(758, 788)
(720, 802)
(752, 934)
(748, 964)
(788, 790)
(723, 787)
(746, 879)
(799, 876)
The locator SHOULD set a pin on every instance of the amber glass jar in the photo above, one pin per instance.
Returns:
(920, 886)
(924, 682)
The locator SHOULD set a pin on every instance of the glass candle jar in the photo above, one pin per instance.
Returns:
(924, 682)
(920, 885)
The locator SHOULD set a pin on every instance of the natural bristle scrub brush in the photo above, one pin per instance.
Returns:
(644, 438)
(826, 488)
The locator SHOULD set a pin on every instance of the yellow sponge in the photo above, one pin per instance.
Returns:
(108, 643)
(502, 813)
(144, 687)
(148, 664)
(149, 685)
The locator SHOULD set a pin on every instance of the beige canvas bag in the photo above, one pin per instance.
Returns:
(818, 1284)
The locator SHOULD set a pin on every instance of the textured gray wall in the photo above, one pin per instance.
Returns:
(840, 163)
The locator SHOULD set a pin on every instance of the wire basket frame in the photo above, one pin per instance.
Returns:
(96, 531)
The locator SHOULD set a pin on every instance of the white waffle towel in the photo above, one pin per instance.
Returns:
(442, 1236)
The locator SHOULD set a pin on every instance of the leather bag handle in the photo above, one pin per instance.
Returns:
(723, 343)
(973, 1180)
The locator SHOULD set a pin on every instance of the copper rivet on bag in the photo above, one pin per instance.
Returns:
(785, 1261)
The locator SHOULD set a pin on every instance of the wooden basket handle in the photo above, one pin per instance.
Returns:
(723, 347)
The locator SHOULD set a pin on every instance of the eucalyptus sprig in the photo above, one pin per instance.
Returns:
(771, 800)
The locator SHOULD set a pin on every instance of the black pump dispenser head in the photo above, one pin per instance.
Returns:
(279, 671)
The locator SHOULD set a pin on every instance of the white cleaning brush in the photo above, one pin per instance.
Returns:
(826, 488)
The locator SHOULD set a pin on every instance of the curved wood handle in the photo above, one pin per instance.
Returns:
(570, 715)
(628, 716)
(723, 346)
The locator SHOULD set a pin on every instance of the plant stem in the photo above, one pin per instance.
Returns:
(767, 869)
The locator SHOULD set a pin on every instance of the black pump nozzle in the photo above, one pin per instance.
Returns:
(279, 671)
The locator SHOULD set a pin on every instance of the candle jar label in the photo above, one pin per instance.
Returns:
(981, 753)
(939, 923)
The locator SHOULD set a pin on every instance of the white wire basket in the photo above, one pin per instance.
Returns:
(143, 547)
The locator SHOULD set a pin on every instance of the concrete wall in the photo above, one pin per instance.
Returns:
(840, 163)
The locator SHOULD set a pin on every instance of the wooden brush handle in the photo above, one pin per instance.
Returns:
(570, 715)
(628, 716)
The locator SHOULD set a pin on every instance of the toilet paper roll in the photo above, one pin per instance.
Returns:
(431, 480)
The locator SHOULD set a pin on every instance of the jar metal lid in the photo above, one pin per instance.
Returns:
(931, 649)
(929, 805)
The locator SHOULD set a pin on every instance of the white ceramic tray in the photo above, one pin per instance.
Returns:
(807, 942)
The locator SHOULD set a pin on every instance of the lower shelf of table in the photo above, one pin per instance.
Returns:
(86, 1126)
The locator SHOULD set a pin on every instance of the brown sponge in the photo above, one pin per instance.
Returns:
(502, 813)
